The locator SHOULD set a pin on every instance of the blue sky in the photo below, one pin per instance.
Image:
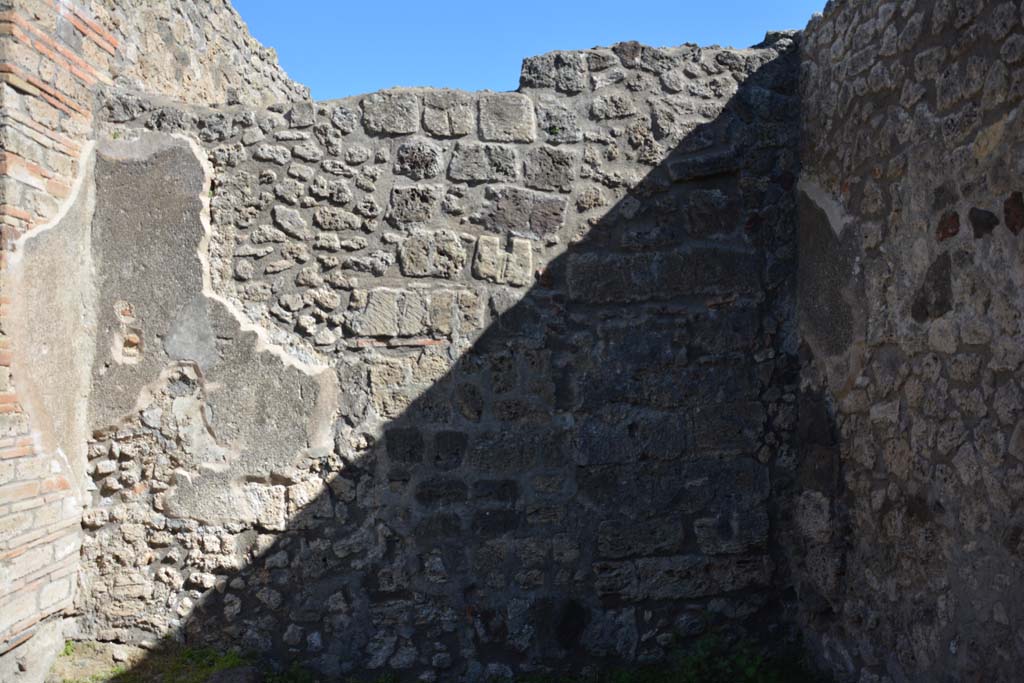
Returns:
(340, 47)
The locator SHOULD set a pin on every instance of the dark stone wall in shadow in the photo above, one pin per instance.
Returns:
(911, 560)
(601, 473)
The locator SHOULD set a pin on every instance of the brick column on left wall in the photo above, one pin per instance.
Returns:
(52, 55)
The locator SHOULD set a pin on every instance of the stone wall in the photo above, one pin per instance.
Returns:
(465, 384)
(196, 51)
(911, 274)
(54, 57)
(51, 56)
(456, 384)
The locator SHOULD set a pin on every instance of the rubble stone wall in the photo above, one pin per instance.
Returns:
(54, 57)
(196, 51)
(910, 280)
(458, 384)
(461, 385)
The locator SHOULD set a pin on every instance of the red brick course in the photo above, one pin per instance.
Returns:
(48, 101)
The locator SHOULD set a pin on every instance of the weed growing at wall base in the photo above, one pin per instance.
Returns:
(713, 659)
(175, 664)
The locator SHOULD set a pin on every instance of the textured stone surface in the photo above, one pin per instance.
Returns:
(908, 535)
(507, 117)
(468, 385)
(557, 412)
(58, 61)
(197, 51)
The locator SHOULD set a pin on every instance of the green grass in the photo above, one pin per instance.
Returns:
(104, 677)
(177, 664)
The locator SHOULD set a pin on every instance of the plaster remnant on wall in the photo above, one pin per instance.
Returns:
(468, 385)
(831, 206)
(500, 405)
(51, 325)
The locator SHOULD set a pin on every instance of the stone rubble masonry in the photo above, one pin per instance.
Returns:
(909, 533)
(46, 105)
(467, 385)
(54, 56)
(558, 339)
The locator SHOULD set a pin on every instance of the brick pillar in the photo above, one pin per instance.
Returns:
(51, 57)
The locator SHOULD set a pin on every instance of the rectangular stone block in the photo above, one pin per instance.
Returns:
(401, 313)
(19, 491)
(686, 577)
(654, 371)
(413, 204)
(704, 165)
(405, 445)
(523, 212)
(479, 163)
(494, 264)
(379, 317)
(508, 452)
(267, 504)
(432, 254)
(27, 563)
(414, 314)
(448, 113)
(621, 278)
(507, 117)
(563, 71)
(20, 607)
(558, 123)
(32, 468)
(518, 267)
(68, 545)
(54, 592)
(725, 483)
(703, 270)
(391, 113)
(623, 435)
(442, 311)
(648, 489)
(551, 169)
(441, 491)
(716, 332)
(49, 514)
(623, 538)
(501, 491)
(12, 525)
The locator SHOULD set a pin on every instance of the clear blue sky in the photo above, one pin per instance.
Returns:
(342, 47)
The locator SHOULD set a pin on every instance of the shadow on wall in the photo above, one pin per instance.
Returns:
(602, 476)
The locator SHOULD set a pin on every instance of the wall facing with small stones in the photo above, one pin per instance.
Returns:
(910, 279)
(466, 385)
(550, 336)
(54, 57)
(196, 51)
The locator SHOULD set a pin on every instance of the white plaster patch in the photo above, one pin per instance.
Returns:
(824, 200)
